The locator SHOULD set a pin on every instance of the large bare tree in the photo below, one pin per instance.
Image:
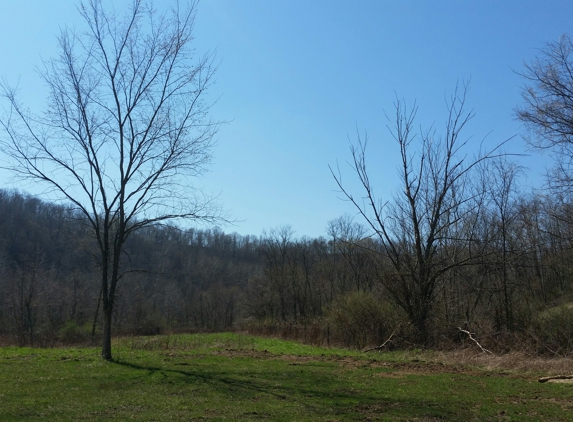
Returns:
(425, 230)
(125, 129)
(547, 111)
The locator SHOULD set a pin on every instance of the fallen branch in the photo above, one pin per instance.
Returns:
(475, 341)
(556, 377)
(383, 344)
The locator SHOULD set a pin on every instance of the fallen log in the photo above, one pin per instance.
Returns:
(556, 377)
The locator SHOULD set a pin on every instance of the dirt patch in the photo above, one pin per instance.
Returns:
(415, 367)
(246, 353)
(462, 362)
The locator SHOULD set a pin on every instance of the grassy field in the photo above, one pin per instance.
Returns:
(241, 378)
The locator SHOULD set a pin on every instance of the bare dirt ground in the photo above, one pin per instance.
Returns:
(464, 361)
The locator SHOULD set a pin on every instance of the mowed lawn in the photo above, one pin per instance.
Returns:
(238, 378)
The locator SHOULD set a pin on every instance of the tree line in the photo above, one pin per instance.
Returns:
(335, 289)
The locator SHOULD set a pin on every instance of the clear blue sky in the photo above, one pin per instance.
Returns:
(298, 77)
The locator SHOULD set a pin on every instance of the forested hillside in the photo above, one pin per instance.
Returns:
(176, 279)
(512, 290)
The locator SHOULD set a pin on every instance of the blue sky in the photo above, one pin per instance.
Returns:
(298, 78)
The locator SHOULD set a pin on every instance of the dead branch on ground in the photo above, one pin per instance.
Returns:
(386, 342)
(471, 337)
(556, 377)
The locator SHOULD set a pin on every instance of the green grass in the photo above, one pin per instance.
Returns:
(236, 377)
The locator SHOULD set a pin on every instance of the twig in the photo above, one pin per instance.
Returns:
(475, 341)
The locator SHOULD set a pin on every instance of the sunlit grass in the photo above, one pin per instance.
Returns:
(239, 377)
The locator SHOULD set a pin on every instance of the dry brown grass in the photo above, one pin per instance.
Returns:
(512, 361)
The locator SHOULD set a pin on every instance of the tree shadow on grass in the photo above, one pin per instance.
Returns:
(315, 392)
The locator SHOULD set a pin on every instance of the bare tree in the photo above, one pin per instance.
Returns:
(125, 128)
(500, 178)
(426, 229)
(547, 113)
(24, 288)
(347, 240)
(548, 108)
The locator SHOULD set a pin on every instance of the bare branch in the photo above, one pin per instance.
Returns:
(471, 337)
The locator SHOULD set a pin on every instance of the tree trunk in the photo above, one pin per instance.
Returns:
(420, 320)
(96, 315)
(106, 341)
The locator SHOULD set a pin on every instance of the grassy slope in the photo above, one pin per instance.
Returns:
(235, 377)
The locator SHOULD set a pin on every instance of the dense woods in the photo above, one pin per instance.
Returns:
(330, 290)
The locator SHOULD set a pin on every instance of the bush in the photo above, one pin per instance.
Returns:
(362, 319)
(72, 333)
(553, 330)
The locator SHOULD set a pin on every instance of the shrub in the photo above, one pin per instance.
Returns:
(72, 333)
(361, 319)
(553, 330)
